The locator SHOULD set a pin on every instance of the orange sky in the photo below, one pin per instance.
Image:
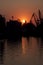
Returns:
(21, 9)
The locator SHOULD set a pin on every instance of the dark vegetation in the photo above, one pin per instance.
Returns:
(13, 29)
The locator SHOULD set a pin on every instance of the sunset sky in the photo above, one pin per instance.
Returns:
(20, 9)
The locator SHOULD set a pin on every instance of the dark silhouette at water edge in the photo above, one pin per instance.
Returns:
(13, 29)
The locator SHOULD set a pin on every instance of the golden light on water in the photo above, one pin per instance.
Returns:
(24, 45)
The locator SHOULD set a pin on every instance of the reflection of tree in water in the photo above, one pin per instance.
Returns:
(1, 51)
(40, 43)
(13, 48)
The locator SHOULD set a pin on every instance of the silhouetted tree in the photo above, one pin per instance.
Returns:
(13, 29)
(2, 26)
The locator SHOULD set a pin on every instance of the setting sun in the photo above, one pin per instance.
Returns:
(23, 21)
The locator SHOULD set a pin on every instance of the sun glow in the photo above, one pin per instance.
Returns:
(23, 21)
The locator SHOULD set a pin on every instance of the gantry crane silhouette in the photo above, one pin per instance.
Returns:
(38, 20)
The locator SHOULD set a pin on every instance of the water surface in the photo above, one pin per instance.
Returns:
(28, 51)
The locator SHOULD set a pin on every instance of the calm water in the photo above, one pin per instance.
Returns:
(28, 51)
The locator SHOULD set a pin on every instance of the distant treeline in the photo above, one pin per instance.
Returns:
(14, 29)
